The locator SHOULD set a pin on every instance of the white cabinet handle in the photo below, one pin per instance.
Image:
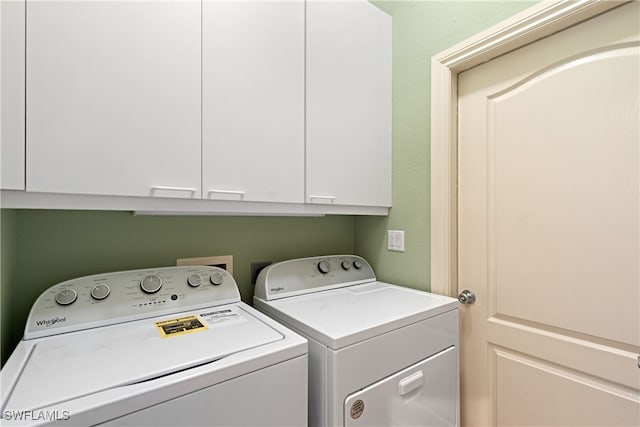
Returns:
(234, 192)
(331, 198)
(410, 383)
(162, 187)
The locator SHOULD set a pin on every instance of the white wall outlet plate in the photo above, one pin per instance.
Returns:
(395, 240)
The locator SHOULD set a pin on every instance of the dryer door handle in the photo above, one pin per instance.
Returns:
(410, 383)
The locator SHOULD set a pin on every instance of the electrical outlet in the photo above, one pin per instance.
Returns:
(256, 268)
(395, 240)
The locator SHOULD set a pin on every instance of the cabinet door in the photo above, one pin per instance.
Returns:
(253, 100)
(113, 97)
(348, 115)
(12, 13)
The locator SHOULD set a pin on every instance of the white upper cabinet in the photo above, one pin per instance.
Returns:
(253, 100)
(12, 120)
(113, 97)
(348, 114)
(282, 105)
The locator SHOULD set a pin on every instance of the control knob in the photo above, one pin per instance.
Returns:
(324, 267)
(217, 278)
(66, 296)
(194, 280)
(346, 265)
(100, 292)
(357, 264)
(151, 284)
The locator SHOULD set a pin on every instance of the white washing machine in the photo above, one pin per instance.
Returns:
(167, 346)
(379, 354)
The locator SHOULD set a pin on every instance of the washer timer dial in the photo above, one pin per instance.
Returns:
(151, 284)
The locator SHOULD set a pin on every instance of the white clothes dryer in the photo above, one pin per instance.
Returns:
(166, 346)
(379, 354)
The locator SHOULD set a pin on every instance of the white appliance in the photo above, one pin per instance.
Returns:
(379, 354)
(167, 346)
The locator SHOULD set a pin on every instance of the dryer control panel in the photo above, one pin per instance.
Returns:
(110, 298)
(306, 275)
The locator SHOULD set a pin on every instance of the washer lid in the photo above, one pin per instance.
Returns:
(342, 317)
(64, 367)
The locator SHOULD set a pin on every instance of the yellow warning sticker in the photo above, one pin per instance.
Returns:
(180, 326)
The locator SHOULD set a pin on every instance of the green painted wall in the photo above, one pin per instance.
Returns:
(47, 247)
(421, 29)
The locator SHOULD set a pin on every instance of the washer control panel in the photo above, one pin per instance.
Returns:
(110, 298)
(305, 275)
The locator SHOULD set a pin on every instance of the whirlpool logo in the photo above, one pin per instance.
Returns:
(278, 289)
(51, 322)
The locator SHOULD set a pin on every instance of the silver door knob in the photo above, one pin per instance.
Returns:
(467, 297)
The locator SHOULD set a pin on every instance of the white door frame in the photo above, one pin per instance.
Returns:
(539, 21)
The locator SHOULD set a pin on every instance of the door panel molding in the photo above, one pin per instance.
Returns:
(611, 364)
(532, 24)
(550, 383)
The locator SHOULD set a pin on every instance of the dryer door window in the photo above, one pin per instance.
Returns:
(423, 394)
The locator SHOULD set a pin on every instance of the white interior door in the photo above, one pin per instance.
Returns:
(549, 230)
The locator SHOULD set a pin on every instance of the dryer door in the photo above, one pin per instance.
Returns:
(423, 394)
